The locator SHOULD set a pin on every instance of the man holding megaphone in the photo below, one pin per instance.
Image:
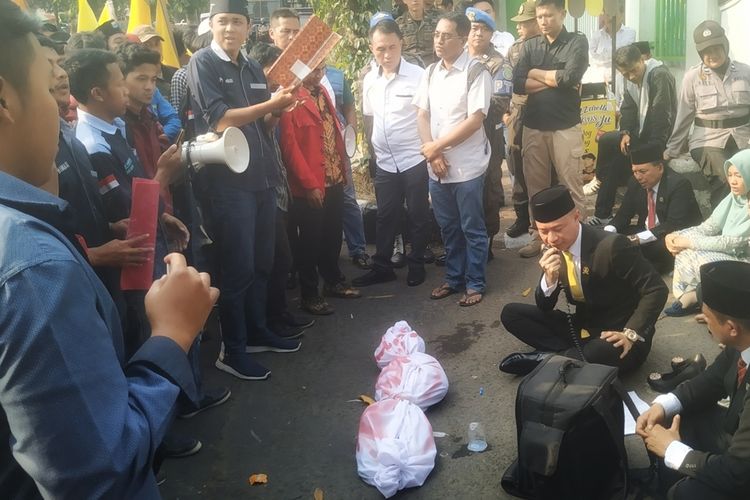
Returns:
(230, 90)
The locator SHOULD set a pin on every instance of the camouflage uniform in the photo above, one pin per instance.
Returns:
(494, 197)
(418, 35)
(515, 128)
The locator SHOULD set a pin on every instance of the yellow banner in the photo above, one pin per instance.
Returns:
(597, 117)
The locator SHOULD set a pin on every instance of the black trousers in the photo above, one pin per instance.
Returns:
(319, 243)
(701, 431)
(655, 252)
(391, 190)
(282, 265)
(711, 160)
(613, 169)
(493, 196)
(550, 332)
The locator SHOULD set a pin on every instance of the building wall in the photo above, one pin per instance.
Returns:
(734, 16)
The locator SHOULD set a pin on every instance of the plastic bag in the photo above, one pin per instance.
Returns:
(395, 446)
(399, 340)
(418, 378)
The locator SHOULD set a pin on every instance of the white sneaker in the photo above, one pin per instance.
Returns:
(592, 187)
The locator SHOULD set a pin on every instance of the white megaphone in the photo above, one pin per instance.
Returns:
(231, 149)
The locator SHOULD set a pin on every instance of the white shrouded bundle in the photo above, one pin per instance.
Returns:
(417, 378)
(395, 446)
(399, 340)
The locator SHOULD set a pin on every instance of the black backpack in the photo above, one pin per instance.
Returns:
(570, 421)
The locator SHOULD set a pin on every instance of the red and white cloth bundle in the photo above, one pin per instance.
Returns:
(417, 378)
(399, 340)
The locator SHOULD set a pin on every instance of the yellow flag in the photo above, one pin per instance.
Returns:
(108, 13)
(140, 14)
(169, 52)
(86, 17)
(22, 3)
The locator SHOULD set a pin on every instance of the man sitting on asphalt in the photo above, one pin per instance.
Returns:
(614, 295)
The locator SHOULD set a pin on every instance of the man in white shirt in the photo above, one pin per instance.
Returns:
(401, 172)
(453, 101)
(721, 469)
(501, 40)
(600, 50)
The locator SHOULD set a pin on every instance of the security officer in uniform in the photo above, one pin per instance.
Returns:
(418, 25)
(481, 48)
(527, 27)
(715, 98)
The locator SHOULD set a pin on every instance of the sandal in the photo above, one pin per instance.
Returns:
(443, 291)
(471, 298)
(341, 291)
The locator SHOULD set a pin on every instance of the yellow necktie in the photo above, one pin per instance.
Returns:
(575, 287)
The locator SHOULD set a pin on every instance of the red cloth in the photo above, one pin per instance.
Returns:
(741, 371)
(145, 132)
(302, 144)
(651, 221)
(143, 220)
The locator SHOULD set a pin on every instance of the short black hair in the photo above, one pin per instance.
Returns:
(284, 13)
(86, 40)
(17, 51)
(182, 36)
(132, 55)
(463, 25)
(560, 4)
(201, 42)
(51, 44)
(627, 56)
(387, 27)
(87, 69)
(265, 53)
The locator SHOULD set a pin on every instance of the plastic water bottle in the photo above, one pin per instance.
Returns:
(477, 441)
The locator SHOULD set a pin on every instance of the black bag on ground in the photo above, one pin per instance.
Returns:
(570, 425)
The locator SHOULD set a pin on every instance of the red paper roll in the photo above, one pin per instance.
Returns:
(144, 212)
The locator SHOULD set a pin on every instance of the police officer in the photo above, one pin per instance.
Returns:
(527, 27)
(418, 25)
(715, 99)
(481, 48)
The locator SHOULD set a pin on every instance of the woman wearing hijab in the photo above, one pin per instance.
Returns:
(724, 236)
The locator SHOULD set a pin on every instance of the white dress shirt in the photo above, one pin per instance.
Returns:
(502, 40)
(446, 98)
(677, 451)
(575, 251)
(395, 138)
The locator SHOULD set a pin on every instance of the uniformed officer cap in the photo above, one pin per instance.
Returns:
(477, 16)
(725, 286)
(380, 16)
(526, 12)
(551, 204)
(109, 28)
(646, 153)
(710, 33)
(229, 7)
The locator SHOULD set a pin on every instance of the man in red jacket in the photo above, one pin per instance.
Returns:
(314, 153)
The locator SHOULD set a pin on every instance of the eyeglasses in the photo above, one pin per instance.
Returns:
(444, 37)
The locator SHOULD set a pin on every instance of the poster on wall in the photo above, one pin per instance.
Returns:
(597, 117)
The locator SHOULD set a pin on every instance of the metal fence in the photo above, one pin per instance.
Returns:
(671, 21)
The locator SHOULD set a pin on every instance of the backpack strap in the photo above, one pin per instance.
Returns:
(475, 70)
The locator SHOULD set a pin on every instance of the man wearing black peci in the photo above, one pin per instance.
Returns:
(614, 295)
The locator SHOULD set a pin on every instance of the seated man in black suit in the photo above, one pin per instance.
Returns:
(614, 295)
(663, 201)
(709, 453)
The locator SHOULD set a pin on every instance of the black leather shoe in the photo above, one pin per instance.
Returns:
(518, 228)
(522, 363)
(416, 276)
(398, 260)
(374, 277)
(681, 371)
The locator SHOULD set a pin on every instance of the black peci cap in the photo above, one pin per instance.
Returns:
(110, 28)
(725, 286)
(230, 7)
(551, 204)
(646, 153)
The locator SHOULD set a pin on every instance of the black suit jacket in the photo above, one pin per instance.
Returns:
(676, 207)
(621, 288)
(729, 472)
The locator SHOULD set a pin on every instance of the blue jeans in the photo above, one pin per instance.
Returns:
(354, 228)
(460, 214)
(243, 225)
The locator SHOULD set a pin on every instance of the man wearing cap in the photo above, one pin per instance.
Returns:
(527, 28)
(715, 102)
(663, 201)
(229, 90)
(481, 48)
(417, 25)
(613, 294)
(154, 41)
(709, 453)
(647, 116)
(453, 100)
(501, 40)
(401, 170)
(113, 33)
(549, 71)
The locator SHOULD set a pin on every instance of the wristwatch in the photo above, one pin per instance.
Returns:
(632, 336)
